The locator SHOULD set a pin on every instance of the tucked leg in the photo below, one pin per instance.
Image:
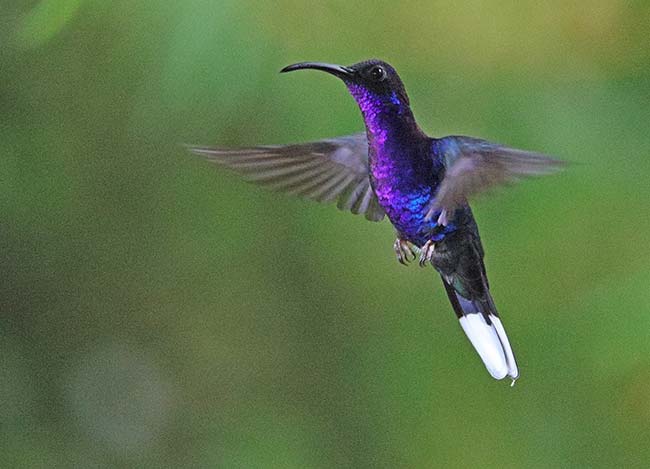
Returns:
(404, 251)
(442, 216)
(426, 253)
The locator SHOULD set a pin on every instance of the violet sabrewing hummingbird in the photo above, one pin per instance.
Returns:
(422, 184)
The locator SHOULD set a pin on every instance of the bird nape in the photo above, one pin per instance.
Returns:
(420, 183)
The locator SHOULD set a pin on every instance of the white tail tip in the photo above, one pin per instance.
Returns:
(492, 345)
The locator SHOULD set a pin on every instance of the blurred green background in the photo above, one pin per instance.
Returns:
(156, 311)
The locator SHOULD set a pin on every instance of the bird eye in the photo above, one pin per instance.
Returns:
(377, 73)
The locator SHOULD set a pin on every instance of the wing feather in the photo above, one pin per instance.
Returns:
(473, 166)
(325, 170)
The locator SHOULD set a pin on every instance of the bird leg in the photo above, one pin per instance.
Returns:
(426, 252)
(442, 217)
(403, 250)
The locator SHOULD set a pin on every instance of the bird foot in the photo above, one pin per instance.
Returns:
(404, 251)
(426, 253)
(430, 212)
(442, 218)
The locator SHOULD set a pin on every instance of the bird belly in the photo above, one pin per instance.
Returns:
(405, 182)
(407, 209)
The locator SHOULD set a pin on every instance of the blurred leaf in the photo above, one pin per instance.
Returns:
(46, 20)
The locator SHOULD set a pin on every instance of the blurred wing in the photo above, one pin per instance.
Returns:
(474, 166)
(326, 170)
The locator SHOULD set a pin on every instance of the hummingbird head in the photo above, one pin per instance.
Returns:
(376, 87)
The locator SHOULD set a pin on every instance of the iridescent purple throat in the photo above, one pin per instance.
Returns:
(403, 171)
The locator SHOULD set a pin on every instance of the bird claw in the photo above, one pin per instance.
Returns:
(430, 213)
(404, 251)
(442, 220)
(426, 253)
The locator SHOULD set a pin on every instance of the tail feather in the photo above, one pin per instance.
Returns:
(458, 258)
(513, 370)
(485, 331)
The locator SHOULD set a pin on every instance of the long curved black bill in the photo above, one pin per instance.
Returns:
(337, 70)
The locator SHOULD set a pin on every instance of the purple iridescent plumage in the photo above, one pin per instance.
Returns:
(405, 170)
(421, 183)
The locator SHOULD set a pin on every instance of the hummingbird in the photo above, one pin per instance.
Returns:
(421, 184)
